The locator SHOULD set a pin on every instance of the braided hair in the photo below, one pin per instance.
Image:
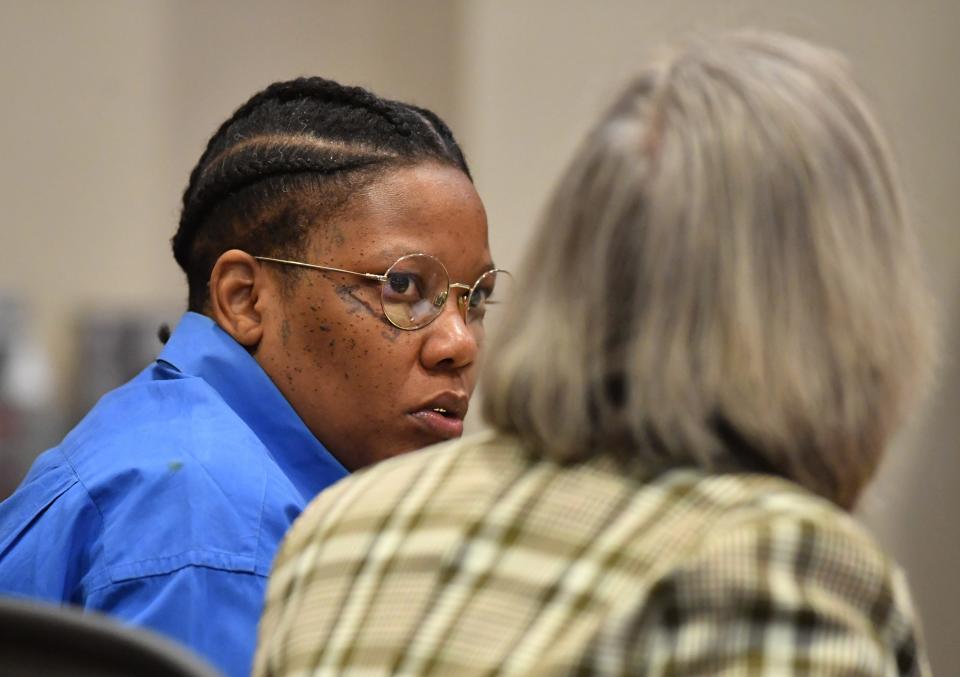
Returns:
(293, 155)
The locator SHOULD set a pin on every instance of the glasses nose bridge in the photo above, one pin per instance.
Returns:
(462, 299)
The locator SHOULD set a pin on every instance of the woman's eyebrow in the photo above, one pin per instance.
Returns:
(483, 269)
(394, 253)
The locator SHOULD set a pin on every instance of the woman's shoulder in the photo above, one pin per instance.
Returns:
(767, 521)
(777, 576)
(779, 509)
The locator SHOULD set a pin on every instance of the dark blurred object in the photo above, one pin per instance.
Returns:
(30, 420)
(113, 346)
(39, 639)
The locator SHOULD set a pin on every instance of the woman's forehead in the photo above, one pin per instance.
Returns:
(430, 209)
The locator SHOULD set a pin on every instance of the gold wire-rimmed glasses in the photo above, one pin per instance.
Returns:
(415, 289)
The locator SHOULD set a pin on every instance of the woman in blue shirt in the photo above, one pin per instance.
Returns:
(338, 268)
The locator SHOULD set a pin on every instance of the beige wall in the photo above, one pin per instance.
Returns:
(107, 104)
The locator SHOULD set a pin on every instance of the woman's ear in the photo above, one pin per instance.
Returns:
(236, 287)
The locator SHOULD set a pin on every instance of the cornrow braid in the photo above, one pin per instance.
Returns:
(295, 152)
(440, 128)
(318, 88)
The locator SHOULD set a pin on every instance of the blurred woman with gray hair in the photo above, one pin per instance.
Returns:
(720, 324)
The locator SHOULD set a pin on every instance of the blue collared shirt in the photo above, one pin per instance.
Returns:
(165, 505)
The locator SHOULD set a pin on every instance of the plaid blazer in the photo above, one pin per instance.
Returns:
(473, 558)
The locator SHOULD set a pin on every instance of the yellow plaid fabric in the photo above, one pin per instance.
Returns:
(473, 558)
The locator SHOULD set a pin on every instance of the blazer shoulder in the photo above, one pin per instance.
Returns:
(796, 583)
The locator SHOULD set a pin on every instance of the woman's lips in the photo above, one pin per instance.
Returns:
(438, 425)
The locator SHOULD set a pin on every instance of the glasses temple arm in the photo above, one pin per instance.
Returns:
(369, 276)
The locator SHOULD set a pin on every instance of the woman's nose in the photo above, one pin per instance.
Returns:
(451, 343)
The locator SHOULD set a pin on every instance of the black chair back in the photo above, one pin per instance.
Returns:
(43, 640)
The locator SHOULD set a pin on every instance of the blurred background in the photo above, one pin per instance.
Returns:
(107, 105)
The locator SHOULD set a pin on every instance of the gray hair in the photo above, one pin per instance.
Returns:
(724, 277)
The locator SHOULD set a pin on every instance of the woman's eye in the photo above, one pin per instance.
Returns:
(399, 283)
(403, 286)
(479, 297)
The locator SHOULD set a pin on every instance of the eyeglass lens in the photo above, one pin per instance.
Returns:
(417, 288)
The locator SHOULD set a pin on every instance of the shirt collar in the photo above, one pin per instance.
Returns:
(198, 347)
